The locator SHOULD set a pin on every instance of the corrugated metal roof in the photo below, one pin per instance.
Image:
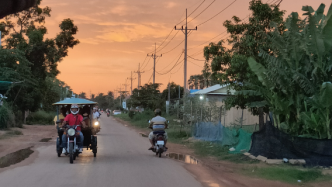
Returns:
(210, 89)
(78, 101)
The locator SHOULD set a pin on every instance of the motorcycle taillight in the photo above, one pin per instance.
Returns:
(160, 138)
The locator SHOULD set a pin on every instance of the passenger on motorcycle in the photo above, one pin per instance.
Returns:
(157, 123)
(96, 114)
(74, 118)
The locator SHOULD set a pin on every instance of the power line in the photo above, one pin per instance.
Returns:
(176, 63)
(146, 63)
(209, 40)
(195, 59)
(179, 23)
(176, 71)
(173, 61)
(202, 11)
(218, 13)
(168, 42)
(177, 45)
(164, 40)
(195, 64)
(191, 12)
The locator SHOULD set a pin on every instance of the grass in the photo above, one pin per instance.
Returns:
(288, 174)
(15, 157)
(175, 133)
(41, 117)
(10, 133)
(283, 173)
(206, 149)
(45, 140)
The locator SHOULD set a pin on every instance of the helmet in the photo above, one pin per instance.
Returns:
(157, 112)
(74, 106)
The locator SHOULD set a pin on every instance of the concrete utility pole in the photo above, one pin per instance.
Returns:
(119, 90)
(139, 75)
(154, 56)
(125, 87)
(185, 31)
(131, 83)
(169, 98)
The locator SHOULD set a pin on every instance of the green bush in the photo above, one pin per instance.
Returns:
(41, 117)
(131, 114)
(7, 118)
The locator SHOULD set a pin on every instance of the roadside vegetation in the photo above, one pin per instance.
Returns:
(10, 133)
(177, 133)
(29, 65)
(41, 117)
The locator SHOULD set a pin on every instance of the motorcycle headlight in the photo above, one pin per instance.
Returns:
(71, 132)
(96, 123)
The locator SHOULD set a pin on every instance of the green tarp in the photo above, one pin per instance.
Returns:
(4, 85)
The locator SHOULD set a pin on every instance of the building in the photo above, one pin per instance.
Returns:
(218, 93)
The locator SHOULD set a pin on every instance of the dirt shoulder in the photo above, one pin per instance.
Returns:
(31, 137)
(213, 173)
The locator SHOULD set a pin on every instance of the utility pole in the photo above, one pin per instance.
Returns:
(185, 31)
(131, 83)
(125, 87)
(169, 98)
(139, 75)
(119, 90)
(154, 56)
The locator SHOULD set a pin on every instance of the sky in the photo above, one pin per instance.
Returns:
(116, 35)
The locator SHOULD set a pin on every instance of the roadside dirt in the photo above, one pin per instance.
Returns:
(32, 136)
(215, 173)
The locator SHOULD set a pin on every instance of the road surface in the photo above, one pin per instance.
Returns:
(122, 161)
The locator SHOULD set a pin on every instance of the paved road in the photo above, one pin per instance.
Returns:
(122, 161)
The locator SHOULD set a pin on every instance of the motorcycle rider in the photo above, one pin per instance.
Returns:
(74, 118)
(96, 114)
(157, 123)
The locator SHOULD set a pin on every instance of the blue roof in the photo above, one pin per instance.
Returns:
(193, 91)
(78, 101)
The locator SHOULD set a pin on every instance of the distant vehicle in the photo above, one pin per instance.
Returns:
(116, 112)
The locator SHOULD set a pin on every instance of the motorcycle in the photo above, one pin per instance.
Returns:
(72, 147)
(96, 125)
(159, 142)
(108, 114)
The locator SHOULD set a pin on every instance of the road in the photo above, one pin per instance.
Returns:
(122, 161)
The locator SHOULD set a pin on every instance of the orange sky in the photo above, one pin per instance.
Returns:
(116, 35)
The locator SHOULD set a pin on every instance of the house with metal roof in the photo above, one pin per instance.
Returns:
(218, 93)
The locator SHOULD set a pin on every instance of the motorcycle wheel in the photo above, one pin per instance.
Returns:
(59, 153)
(94, 154)
(74, 156)
(159, 154)
(71, 154)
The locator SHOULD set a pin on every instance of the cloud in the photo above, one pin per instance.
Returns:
(170, 4)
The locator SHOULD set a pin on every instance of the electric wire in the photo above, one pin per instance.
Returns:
(146, 64)
(195, 63)
(164, 39)
(202, 11)
(195, 58)
(144, 61)
(217, 13)
(177, 24)
(176, 70)
(172, 61)
(176, 64)
(168, 42)
(191, 12)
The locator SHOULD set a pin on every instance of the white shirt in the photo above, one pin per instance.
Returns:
(95, 115)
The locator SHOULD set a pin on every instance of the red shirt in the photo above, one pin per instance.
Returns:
(74, 120)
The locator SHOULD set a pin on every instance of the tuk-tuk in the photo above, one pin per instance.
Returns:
(89, 132)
